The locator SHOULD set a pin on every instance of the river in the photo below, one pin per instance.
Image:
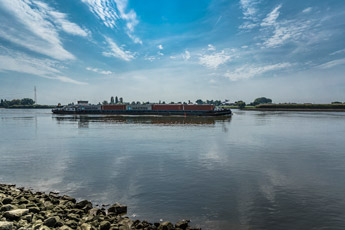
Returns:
(257, 170)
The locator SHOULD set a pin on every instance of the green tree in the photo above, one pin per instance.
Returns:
(27, 101)
(262, 100)
(199, 102)
(240, 104)
(105, 102)
(112, 100)
(116, 100)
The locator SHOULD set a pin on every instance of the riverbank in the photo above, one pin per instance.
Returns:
(299, 107)
(24, 209)
(30, 107)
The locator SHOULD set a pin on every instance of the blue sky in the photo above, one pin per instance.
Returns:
(288, 50)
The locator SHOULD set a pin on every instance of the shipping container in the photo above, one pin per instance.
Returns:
(113, 107)
(167, 107)
(199, 107)
(139, 107)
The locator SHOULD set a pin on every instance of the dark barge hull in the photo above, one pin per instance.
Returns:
(148, 112)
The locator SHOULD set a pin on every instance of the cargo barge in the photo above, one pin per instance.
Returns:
(144, 109)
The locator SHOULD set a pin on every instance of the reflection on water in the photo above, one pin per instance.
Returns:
(160, 120)
(261, 170)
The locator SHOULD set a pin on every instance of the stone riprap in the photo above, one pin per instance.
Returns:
(22, 209)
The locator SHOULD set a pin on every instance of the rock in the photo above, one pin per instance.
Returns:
(64, 227)
(7, 200)
(104, 225)
(44, 228)
(5, 225)
(86, 226)
(7, 207)
(65, 197)
(51, 221)
(183, 224)
(71, 223)
(83, 203)
(165, 226)
(15, 214)
(117, 209)
(34, 209)
(28, 218)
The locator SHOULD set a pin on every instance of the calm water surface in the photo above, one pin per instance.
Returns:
(257, 170)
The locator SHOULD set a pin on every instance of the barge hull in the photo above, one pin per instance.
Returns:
(149, 112)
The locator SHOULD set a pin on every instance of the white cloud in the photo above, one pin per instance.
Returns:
(186, 55)
(160, 47)
(249, 12)
(212, 61)
(338, 52)
(244, 47)
(11, 60)
(36, 26)
(160, 53)
(333, 63)
(249, 9)
(60, 19)
(248, 71)
(116, 51)
(307, 10)
(105, 72)
(211, 47)
(150, 58)
(104, 10)
(271, 18)
(109, 12)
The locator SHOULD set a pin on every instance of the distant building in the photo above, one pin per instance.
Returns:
(83, 102)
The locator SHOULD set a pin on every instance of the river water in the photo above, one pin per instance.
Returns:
(257, 170)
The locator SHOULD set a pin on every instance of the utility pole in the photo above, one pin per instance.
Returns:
(35, 95)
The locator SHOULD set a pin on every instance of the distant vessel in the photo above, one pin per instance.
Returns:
(83, 107)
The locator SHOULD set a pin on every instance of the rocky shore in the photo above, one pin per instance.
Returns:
(22, 209)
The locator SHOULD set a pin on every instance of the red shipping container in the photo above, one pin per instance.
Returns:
(199, 107)
(167, 107)
(113, 107)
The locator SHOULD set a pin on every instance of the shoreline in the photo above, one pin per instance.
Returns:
(294, 109)
(24, 209)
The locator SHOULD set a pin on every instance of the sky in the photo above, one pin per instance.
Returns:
(286, 50)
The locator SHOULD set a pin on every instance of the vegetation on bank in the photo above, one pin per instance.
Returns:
(25, 103)
(302, 106)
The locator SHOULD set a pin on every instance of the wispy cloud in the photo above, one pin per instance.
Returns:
(96, 70)
(271, 18)
(211, 47)
(186, 55)
(338, 52)
(333, 63)
(249, 11)
(11, 60)
(276, 33)
(213, 60)
(160, 47)
(104, 10)
(249, 71)
(109, 12)
(37, 27)
(116, 51)
(307, 10)
(60, 19)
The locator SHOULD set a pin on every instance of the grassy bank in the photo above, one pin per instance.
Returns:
(30, 107)
(298, 107)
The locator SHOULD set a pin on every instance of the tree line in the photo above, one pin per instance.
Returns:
(25, 101)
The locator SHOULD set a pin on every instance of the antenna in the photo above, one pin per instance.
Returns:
(35, 95)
